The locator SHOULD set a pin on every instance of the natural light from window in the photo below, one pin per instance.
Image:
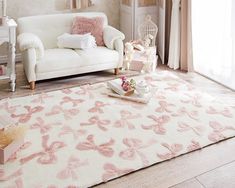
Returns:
(213, 23)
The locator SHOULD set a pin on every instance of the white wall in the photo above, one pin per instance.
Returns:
(19, 8)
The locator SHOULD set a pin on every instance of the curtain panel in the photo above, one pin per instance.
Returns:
(79, 4)
(174, 45)
(186, 54)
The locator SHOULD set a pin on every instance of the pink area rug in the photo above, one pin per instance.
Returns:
(79, 137)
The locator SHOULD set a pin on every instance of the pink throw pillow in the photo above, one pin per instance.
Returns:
(95, 25)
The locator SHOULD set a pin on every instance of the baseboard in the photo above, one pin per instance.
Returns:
(3, 59)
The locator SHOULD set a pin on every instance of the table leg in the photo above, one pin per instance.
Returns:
(12, 64)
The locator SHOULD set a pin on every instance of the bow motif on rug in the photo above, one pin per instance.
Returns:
(98, 107)
(171, 79)
(191, 114)
(173, 87)
(23, 147)
(193, 99)
(225, 112)
(41, 98)
(96, 121)
(47, 155)
(76, 133)
(194, 145)
(160, 95)
(18, 183)
(149, 80)
(164, 107)
(160, 122)
(218, 130)
(104, 149)
(67, 113)
(42, 125)
(133, 149)
(25, 117)
(66, 91)
(75, 102)
(126, 116)
(15, 174)
(183, 127)
(86, 90)
(71, 169)
(172, 151)
(138, 106)
(112, 171)
(8, 108)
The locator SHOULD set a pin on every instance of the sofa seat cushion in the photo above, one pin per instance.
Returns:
(99, 55)
(57, 60)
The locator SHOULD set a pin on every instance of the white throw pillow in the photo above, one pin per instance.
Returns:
(75, 41)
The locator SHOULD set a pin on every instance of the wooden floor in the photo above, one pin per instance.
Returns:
(211, 167)
(22, 86)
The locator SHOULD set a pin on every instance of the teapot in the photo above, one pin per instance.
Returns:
(142, 88)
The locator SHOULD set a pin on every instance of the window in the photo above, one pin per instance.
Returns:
(213, 29)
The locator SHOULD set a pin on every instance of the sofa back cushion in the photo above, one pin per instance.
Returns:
(95, 26)
(49, 27)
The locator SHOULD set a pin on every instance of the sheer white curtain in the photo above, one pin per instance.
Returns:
(213, 29)
(174, 48)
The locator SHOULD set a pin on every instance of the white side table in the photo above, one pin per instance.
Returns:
(8, 34)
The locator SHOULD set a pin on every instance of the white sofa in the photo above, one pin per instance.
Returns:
(42, 59)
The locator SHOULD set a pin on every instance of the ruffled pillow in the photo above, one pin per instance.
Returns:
(95, 26)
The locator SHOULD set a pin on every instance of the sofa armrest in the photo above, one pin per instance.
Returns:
(29, 62)
(119, 46)
(110, 35)
(29, 40)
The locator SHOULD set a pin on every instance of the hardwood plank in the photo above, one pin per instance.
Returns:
(178, 170)
(192, 183)
(220, 177)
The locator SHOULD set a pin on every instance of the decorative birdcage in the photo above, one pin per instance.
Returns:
(148, 32)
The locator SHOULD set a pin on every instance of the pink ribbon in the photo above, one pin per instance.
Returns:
(98, 107)
(104, 149)
(67, 113)
(158, 127)
(75, 102)
(96, 121)
(25, 117)
(112, 171)
(47, 155)
(225, 112)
